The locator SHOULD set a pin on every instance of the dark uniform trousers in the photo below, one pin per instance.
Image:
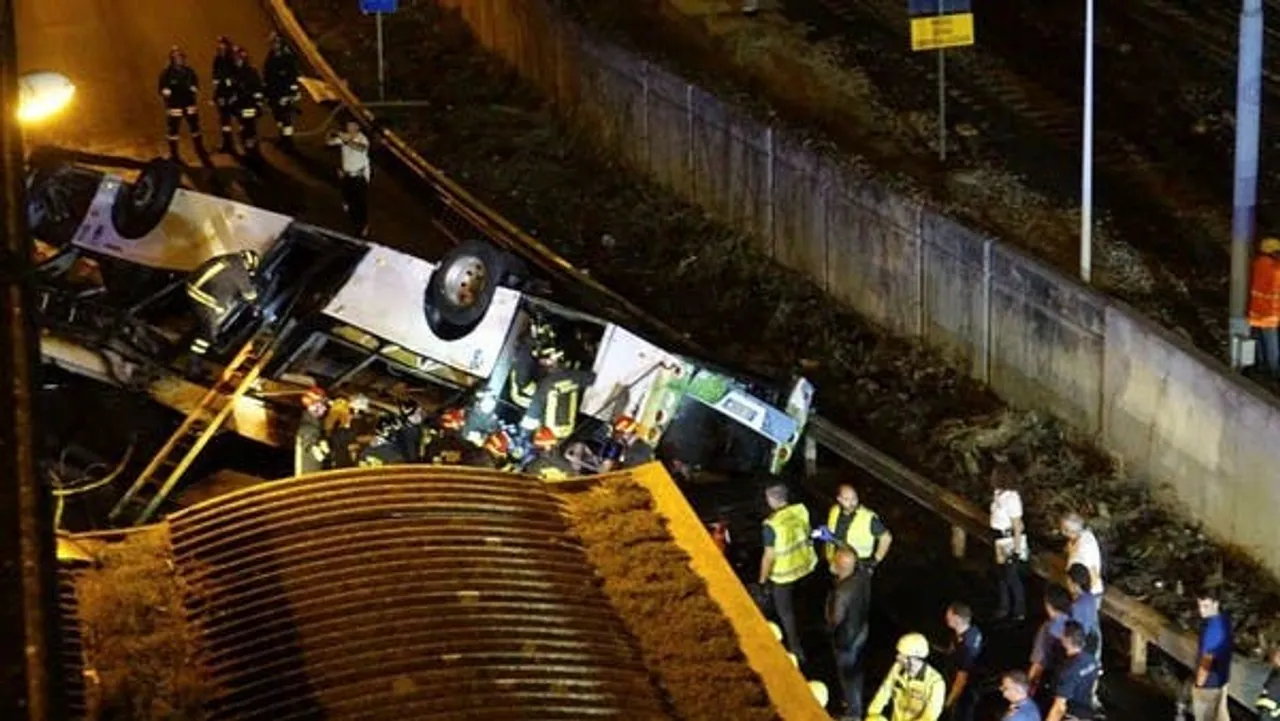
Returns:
(181, 85)
(355, 198)
(223, 92)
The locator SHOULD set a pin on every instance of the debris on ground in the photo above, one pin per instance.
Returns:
(684, 637)
(496, 136)
(137, 643)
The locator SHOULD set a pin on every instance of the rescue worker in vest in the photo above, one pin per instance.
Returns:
(1264, 302)
(1268, 703)
(536, 355)
(854, 525)
(495, 453)
(312, 447)
(246, 101)
(224, 80)
(915, 689)
(216, 288)
(788, 558)
(547, 463)
(556, 401)
(384, 450)
(178, 88)
(447, 446)
(625, 449)
(340, 429)
(1073, 692)
(280, 73)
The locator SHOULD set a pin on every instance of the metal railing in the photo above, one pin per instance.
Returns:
(1146, 626)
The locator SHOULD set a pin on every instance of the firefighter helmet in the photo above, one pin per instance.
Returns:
(624, 425)
(176, 54)
(313, 395)
(498, 443)
(1270, 246)
(544, 439)
(913, 645)
(240, 54)
(453, 419)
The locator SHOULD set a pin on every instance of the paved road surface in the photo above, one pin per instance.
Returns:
(114, 51)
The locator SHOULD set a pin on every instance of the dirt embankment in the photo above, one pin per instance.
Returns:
(496, 136)
(137, 642)
(683, 635)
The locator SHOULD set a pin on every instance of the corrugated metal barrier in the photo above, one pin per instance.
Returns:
(410, 592)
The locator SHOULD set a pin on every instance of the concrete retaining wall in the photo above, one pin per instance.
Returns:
(1039, 339)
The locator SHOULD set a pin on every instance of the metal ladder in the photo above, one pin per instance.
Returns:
(159, 478)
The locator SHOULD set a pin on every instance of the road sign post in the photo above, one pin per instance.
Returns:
(378, 8)
(937, 25)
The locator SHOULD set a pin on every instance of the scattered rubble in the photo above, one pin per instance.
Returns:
(137, 643)
(683, 635)
(496, 136)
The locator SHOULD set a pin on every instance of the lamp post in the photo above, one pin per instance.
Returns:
(1245, 191)
(31, 673)
(1086, 152)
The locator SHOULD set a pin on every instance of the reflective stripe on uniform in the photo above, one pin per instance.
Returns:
(249, 113)
(174, 112)
(561, 419)
(287, 130)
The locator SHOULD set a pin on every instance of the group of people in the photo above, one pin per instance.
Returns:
(1060, 680)
(347, 432)
(239, 94)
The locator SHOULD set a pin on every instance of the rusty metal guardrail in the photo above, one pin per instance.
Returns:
(425, 592)
(467, 217)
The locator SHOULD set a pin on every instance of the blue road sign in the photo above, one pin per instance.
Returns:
(383, 6)
(920, 8)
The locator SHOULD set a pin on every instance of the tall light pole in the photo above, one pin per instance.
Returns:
(1245, 192)
(1086, 152)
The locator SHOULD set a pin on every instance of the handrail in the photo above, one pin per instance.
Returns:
(1146, 625)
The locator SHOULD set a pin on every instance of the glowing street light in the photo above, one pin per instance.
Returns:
(42, 94)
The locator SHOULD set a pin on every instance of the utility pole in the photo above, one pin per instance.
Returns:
(30, 674)
(1245, 193)
(1086, 152)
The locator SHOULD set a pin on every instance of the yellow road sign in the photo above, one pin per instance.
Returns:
(941, 31)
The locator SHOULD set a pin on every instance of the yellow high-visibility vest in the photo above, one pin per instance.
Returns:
(858, 536)
(914, 698)
(793, 555)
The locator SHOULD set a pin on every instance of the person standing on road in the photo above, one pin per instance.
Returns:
(246, 102)
(280, 72)
(1268, 703)
(1011, 548)
(1016, 689)
(1085, 608)
(354, 174)
(848, 611)
(1213, 671)
(855, 526)
(1264, 302)
(1083, 548)
(962, 662)
(916, 690)
(787, 560)
(224, 80)
(178, 88)
(1073, 691)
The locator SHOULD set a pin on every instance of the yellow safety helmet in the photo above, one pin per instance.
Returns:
(776, 630)
(913, 645)
(1270, 246)
(820, 692)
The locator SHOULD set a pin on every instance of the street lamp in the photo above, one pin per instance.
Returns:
(41, 95)
(1086, 152)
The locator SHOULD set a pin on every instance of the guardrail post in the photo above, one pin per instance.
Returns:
(1138, 653)
(810, 456)
(958, 539)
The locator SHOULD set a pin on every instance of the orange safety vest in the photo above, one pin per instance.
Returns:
(1264, 293)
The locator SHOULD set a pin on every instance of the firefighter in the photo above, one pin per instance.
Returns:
(178, 87)
(280, 73)
(536, 356)
(495, 453)
(384, 450)
(625, 449)
(217, 288)
(246, 100)
(915, 689)
(447, 445)
(224, 83)
(1264, 302)
(547, 463)
(413, 435)
(312, 447)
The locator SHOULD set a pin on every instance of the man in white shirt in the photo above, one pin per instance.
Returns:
(1010, 544)
(1082, 548)
(354, 173)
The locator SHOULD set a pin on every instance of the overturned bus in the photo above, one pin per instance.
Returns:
(115, 259)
